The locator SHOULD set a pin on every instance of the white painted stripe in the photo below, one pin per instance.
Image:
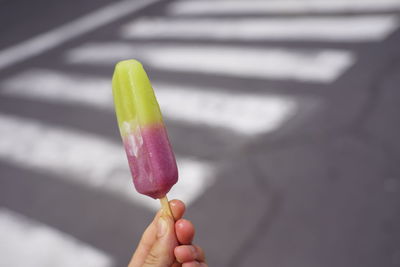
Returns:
(248, 114)
(317, 65)
(205, 7)
(87, 159)
(25, 242)
(244, 113)
(54, 86)
(53, 38)
(343, 29)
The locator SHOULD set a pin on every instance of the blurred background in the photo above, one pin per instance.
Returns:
(283, 115)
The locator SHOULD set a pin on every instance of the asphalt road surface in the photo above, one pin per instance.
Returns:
(283, 116)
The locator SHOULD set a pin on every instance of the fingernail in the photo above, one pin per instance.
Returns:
(162, 227)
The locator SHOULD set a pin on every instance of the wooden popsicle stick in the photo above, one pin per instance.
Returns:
(165, 206)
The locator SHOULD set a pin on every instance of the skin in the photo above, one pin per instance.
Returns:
(168, 243)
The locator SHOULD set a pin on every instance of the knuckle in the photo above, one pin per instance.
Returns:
(151, 259)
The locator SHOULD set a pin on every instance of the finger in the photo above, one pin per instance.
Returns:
(178, 208)
(185, 231)
(194, 264)
(200, 252)
(162, 251)
(149, 236)
(188, 253)
(145, 244)
(176, 264)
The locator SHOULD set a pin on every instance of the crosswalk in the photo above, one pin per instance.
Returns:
(53, 38)
(318, 65)
(221, 7)
(338, 29)
(25, 242)
(244, 113)
(86, 159)
(189, 40)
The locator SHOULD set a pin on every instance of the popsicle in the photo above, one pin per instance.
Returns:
(150, 156)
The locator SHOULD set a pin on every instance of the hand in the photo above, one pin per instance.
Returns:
(159, 245)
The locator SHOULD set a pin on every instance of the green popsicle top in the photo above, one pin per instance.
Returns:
(134, 99)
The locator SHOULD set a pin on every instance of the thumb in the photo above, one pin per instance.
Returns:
(162, 251)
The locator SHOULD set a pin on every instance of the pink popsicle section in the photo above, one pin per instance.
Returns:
(151, 160)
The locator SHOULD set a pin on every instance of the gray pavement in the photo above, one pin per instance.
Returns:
(322, 189)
